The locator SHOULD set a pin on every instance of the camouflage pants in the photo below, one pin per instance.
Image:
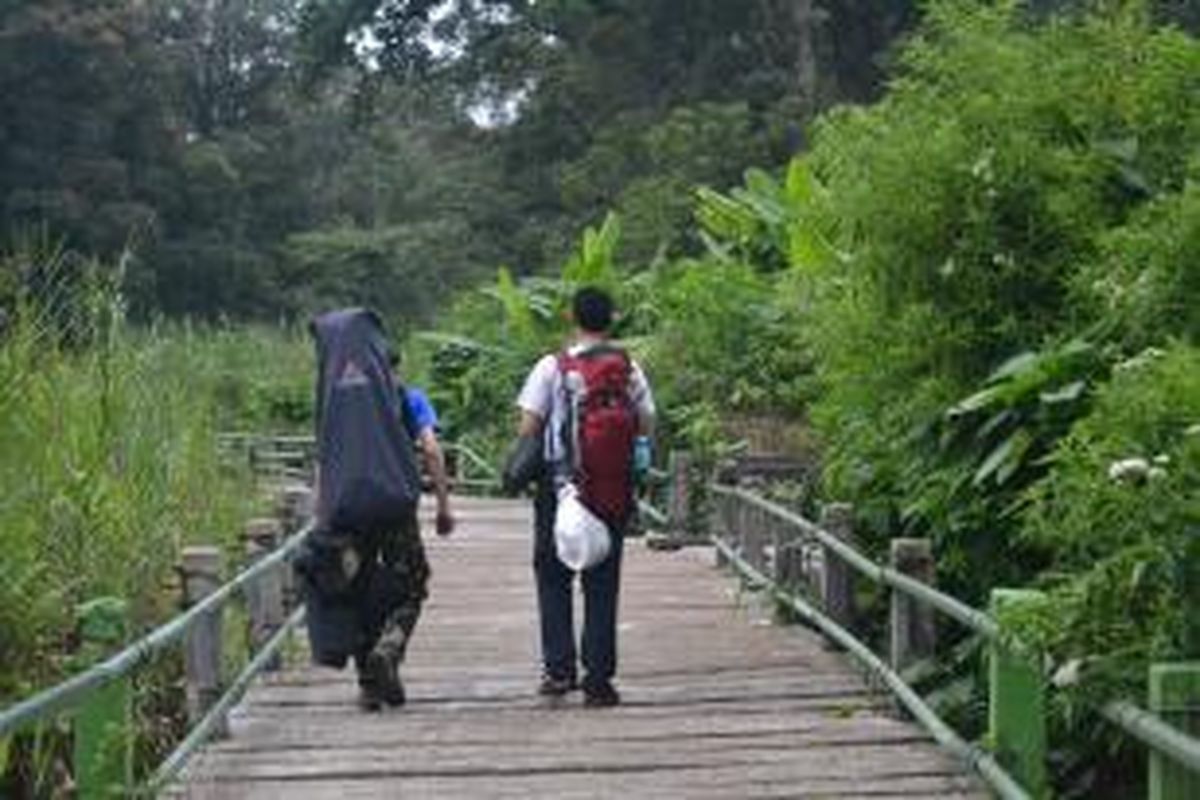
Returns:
(403, 554)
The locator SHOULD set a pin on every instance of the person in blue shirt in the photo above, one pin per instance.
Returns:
(421, 420)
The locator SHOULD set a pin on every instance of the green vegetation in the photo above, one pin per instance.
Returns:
(980, 291)
(108, 458)
(974, 294)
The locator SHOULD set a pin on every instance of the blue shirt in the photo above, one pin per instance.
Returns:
(420, 410)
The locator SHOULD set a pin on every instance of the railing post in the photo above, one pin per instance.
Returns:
(789, 559)
(788, 566)
(295, 508)
(1175, 698)
(264, 596)
(723, 508)
(103, 736)
(753, 549)
(679, 506)
(1016, 703)
(837, 588)
(913, 628)
(202, 576)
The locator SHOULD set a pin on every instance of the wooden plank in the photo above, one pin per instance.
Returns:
(718, 702)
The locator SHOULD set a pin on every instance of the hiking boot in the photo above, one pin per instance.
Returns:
(379, 680)
(601, 695)
(368, 700)
(554, 686)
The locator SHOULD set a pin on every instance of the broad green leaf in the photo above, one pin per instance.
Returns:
(1010, 450)
(994, 423)
(1016, 365)
(800, 183)
(1067, 394)
(981, 399)
(1022, 441)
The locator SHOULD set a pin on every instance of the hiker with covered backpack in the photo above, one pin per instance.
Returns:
(589, 405)
(363, 567)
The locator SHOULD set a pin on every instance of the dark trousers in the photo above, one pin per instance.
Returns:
(402, 555)
(555, 589)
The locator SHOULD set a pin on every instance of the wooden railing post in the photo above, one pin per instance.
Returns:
(913, 625)
(754, 550)
(723, 508)
(1175, 698)
(202, 576)
(295, 508)
(1016, 703)
(679, 504)
(788, 566)
(789, 558)
(264, 597)
(837, 588)
(103, 736)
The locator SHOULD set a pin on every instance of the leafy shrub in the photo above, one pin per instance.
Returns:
(1119, 513)
(1145, 284)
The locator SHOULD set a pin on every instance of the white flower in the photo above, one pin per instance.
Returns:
(1067, 674)
(1162, 460)
(1140, 360)
(1128, 469)
(1194, 430)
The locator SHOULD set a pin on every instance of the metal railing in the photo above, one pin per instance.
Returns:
(73, 693)
(1014, 765)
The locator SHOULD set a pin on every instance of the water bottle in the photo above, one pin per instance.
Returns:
(641, 457)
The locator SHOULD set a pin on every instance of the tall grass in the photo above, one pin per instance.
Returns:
(108, 458)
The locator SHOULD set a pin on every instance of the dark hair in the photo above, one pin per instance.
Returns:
(593, 309)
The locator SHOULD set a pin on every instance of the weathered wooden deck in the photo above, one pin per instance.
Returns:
(718, 703)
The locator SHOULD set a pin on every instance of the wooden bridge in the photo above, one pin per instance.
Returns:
(718, 702)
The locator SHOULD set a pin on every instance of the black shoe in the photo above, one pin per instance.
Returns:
(379, 680)
(368, 700)
(601, 695)
(553, 686)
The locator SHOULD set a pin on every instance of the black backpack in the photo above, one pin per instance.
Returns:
(369, 481)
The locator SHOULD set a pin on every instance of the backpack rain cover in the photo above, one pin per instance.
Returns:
(369, 480)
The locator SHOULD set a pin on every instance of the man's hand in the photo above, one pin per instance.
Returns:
(444, 523)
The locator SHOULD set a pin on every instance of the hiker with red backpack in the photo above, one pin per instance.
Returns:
(590, 404)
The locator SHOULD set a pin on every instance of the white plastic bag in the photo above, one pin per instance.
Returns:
(580, 537)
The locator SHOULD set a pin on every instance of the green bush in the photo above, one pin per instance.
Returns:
(969, 205)
(1145, 284)
(1119, 512)
(108, 455)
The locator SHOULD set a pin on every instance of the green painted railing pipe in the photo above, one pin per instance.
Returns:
(658, 517)
(74, 690)
(212, 720)
(1149, 729)
(477, 460)
(972, 618)
(978, 759)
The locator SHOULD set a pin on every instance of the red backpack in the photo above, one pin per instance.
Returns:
(601, 425)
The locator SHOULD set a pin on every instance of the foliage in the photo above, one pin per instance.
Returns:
(1145, 281)
(108, 463)
(719, 339)
(1119, 513)
(1005, 229)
